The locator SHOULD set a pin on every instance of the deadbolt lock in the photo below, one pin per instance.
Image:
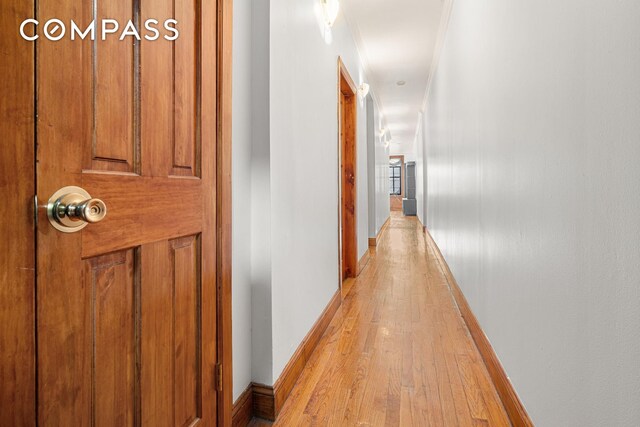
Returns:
(70, 209)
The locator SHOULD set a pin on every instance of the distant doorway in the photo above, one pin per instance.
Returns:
(347, 111)
(396, 182)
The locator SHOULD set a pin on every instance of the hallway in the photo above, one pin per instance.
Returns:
(397, 352)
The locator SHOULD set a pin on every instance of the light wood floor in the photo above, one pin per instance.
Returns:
(397, 352)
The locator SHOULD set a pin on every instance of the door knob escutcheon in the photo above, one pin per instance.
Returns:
(70, 209)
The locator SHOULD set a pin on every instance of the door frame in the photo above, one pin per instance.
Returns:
(402, 183)
(18, 291)
(224, 209)
(347, 143)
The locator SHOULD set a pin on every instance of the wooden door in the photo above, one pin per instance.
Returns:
(17, 227)
(347, 110)
(127, 314)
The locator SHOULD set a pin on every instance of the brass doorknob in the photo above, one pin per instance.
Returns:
(70, 209)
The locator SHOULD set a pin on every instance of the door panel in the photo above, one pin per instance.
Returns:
(186, 333)
(186, 108)
(112, 316)
(172, 384)
(134, 218)
(114, 76)
(127, 307)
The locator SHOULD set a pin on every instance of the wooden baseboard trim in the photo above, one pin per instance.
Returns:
(512, 403)
(266, 401)
(363, 261)
(373, 241)
(422, 226)
(243, 408)
(263, 401)
(298, 361)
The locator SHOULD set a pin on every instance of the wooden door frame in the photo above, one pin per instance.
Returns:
(401, 157)
(347, 139)
(18, 290)
(224, 209)
(402, 173)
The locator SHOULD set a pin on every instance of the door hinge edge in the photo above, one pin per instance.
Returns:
(218, 376)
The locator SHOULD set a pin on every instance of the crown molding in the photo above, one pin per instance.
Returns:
(447, 6)
(354, 30)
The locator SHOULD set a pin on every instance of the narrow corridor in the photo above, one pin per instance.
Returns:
(397, 352)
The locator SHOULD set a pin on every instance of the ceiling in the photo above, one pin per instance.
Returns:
(396, 39)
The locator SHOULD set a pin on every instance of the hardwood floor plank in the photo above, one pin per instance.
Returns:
(444, 385)
(406, 417)
(398, 352)
(477, 407)
(357, 386)
(372, 409)
(395, 356)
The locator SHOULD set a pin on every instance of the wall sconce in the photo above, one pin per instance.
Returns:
(330, 9)
(384, 135)
(363, 90)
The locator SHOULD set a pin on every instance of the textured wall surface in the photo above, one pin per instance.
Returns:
(378, 170)
(285, 194)
(241, 195)
(533, 166)
(305, 169)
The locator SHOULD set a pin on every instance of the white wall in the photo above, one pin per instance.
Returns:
(371, 166)
(252, 343)
(261, 207)
(383, 201)
(420, 169)
(403, 148)
(241, 235)
(377, 169)
(533, 148)
(304, 168)
(285, 179)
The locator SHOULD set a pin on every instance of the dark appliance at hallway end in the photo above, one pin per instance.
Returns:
(409, 205)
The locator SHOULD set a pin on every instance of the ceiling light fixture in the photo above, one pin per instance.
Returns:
(363, 90)
(330, 9)
(401, 83)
